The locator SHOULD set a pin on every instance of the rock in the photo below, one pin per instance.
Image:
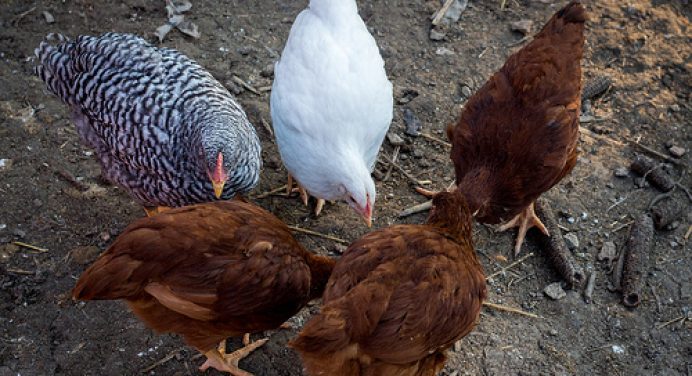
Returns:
(444, 51)
(677, 151)
(413, 124)
(5, 164)
(48, 17)
(522, 26)
(19, 233)
(622, 172)
(454, 11)
(572, 241)
(233, 88)
(466, 91)
(675, 107)
(85, 254)
(406, 96)
(608, 252)
(436, 35)
(267, 71)
(554, 291)
(244, 50)
(394, 139)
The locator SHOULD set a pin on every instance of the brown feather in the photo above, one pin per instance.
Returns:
(517, 136)
(398, 298)
(208, 272)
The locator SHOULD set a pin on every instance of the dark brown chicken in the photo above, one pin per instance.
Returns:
(517, 136)
(398, 298)
(208, 272)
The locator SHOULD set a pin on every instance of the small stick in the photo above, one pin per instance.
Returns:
(588, 292)
(401, 169)
(271, 192)
(415, 209)
(666, 213)
(506, 268)
(688, 233)
(244, 84)
(441, 12)
(650, 171)
(17, 18)
(617, 272)
(673, 321)
(658, 299)
(555, 247)
(636, 260)
(504, 308)
(266, 127)
(72, 180)
(439, 141)
(20, 271)
(395, 156)
(318, 234)
(32, 247)
(656, 153)
(165, 359)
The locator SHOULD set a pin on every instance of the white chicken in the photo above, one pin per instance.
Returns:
(331, 105)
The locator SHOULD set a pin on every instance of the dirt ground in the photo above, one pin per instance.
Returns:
(643, 45)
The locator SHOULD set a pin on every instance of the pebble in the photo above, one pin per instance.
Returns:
(572, 241)
(19, 232)
(622, 172)
(437, 35)
(37, 202)
(407, 95)
(675, 108)
(394, 139)
(244, 50)
(413, 124)
(48, 17)
(522, 26)
(553, 332)
(267, 71)
(677, 151)
(85, 254)
(571, 220)
(444, 51)
(466, 91)
(554, 291)
(608, 252)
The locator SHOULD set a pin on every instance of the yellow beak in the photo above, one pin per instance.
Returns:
(218, 188)
(368, 221)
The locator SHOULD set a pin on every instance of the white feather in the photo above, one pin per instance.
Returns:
(331, 101)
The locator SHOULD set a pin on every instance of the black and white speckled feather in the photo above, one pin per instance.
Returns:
(156, 119)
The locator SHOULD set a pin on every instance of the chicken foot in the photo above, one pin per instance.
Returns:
(524, 220)
(219, 360)
(303, 195)
(154, 210)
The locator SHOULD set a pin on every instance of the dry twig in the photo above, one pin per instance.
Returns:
(318, 234)
(437, 17)
(433, 138)
(269, 193)
(504, 308)
(244, 84)
(32, 247)
(165, 359)
(415, 209)
(510, 266)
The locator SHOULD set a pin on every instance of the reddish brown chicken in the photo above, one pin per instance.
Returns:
(517, 136)
(398, 298)
(208, 272)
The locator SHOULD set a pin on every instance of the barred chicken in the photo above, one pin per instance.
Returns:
(207, 272)
(331, 105)
(398, 298)
(162, 127)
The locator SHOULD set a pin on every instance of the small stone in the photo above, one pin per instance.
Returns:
(572, 241)
(466, 91)
(233, 88)
(553, 332)
(571, 220)
(437, 35)
(673, 244)
(105, 236)
(407, 95)
(677, 151)
(675, 107)
(5, 164)
(554, 291)
(48, 17)
(617, 349)
(244, 50)
(85, 254)
(19, 233)
(267, 71)
(37, 202)
(339, 248)
(394, 139)
(522, 26)
(444, 51)
(608, 252)
(673, 226)
(622, 172)
(413, 124)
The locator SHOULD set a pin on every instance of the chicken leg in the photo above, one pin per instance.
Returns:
(303, 194)
(524, 220)
(153, 210)
(219, 360)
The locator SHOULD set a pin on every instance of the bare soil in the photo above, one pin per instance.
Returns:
(643, 45)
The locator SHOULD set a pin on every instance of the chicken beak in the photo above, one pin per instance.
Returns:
(367, 215)
(218, 188)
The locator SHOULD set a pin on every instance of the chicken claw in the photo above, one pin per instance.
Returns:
(154, 210)
(304, 196)
(219, 360)
(524, 220)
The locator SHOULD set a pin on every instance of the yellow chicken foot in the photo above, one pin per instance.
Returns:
(524, 220)
(303, 195)
(219, 360)
(153, 210)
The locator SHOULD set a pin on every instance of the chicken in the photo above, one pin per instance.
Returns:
(398, 298)
(331, 105)
(161, 126)
(207, 272)
(517, 136)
